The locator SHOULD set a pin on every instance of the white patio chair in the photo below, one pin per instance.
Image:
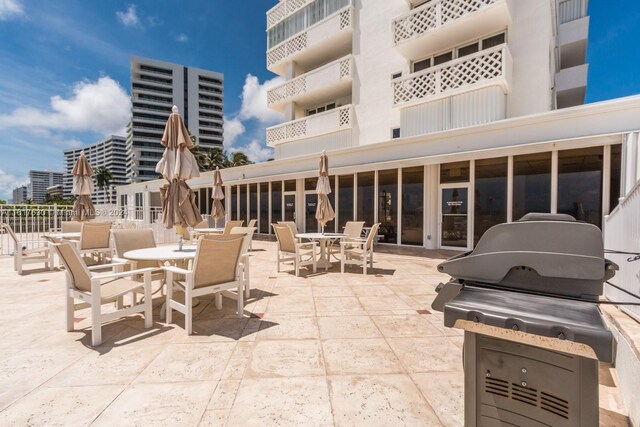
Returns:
(230, 225)
(358, 251)
(99, 289)
(95, 241)
(244, 259)
(353, 231)
(289, 250)
(207, 277)
(28, 256)
(252, 224)
(71, 226)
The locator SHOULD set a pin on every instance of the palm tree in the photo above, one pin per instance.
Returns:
(238, 158)
(203, 158)
(103, 177)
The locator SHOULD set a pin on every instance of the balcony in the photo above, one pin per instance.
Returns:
(486, 68)
(327, 82)
(284, 9)
(311, 126)
(571, 86)
(327, 39)
(439, 24)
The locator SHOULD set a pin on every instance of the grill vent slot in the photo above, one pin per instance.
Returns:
(554, 405)
(545, 401)
(525, 395)
(496, 386)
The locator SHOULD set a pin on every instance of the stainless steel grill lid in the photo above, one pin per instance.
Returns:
(551, 254)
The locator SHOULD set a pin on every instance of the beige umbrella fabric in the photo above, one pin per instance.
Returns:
(217, 210)
(324, 211)
(178, 165)
(83, 209)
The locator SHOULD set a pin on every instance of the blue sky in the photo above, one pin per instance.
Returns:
(61, 60)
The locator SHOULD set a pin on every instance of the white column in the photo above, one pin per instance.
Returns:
(554, 181)
(146, 206)
(431, 197)
(399, 227)
(606, 179)
(510, 189)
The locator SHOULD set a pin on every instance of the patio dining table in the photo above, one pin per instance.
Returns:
(166, 253)
(323, 239)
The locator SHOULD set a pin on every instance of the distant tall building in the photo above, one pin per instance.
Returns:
(39, 181)
(156, 86)
(110, 153)
(20, 194)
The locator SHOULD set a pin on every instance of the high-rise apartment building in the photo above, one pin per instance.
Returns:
(110, 153)
(20, 194)
(440, 119)
(402, 68)
(39, 181)
(156, 86)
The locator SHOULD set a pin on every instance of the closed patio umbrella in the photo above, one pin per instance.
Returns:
(217, 210)
(83, 209)
(324, 211)
(177, 166)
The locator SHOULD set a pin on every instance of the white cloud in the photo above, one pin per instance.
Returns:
(130, 17)
(255, 151)
(254, 100)
(8, 182)
(182, 38)
(233, 128)
(10, 9)
(102, 106)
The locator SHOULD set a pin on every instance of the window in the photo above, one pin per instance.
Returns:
(442, 58)
(345, 200)
(396, 75)
(264, 208)
(395, 133)
(460, 52)
(468, 49)
(388, 205)
(290, 185)
(580, 184)
(276, 201)
(454, 172)
(531, 184)
(616, 167)
(493, 41)
(412, 205)
(421, 65)
(366, 198)
(253, 203)
(490, 195)
(321, 109)
(242, 209)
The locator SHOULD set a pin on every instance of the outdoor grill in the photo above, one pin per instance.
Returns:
(526, 298)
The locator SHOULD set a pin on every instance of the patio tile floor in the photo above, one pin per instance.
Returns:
(319, 349)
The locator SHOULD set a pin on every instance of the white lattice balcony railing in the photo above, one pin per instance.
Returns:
(433, 15)
(320, 33)
(320, 80)
(485, 68)
(318, 124)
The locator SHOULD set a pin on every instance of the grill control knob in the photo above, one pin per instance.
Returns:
(524, 383)
(524, 370)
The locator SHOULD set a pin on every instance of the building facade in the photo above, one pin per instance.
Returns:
(110, 153)
(39, 181)
(440, 119)
(156, 86)
(20, 194)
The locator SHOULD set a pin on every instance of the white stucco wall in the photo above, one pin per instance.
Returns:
(531, 40)
(376, 60)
